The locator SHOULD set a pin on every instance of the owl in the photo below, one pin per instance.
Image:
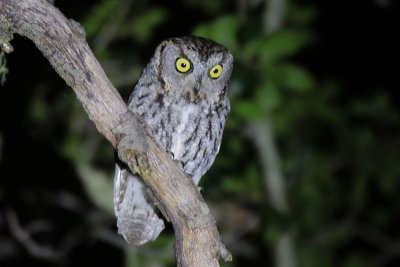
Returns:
(182, 96)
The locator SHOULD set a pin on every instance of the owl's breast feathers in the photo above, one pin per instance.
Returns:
(191, 130)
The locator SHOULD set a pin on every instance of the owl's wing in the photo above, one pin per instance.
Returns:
(137, 220)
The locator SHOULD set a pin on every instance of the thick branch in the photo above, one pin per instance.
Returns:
(62, 42)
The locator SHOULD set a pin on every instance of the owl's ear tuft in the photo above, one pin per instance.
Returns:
(159, 50)
(161, 47)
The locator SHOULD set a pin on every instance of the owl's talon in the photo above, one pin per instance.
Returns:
(171, 154)
(158, 204)
(181, 164)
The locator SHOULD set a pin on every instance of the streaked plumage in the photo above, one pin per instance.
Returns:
(186, 112)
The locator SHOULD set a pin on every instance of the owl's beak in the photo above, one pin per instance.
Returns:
(196, 88)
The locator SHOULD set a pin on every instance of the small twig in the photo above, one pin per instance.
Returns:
(110, 237)
(25, 239)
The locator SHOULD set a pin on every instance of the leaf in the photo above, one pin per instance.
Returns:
(289, 76)
(38, 110)
(233, 185)
(268, 97)
(247, 109)
(98, 17)
(297, 78)
(280, 45)
(223, 30)
(143, 25)
(249, 183)
(98, 185)
(300, 14)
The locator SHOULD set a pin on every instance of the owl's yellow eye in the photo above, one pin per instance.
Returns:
(216, 71)
(182, 65)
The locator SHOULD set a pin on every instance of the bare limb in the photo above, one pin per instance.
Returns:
(273, 15)
(262, 134)
(62, 42)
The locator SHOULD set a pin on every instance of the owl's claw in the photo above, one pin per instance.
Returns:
(158, 204)
(181, 164)
(171, 154)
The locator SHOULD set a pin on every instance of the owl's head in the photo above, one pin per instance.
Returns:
(194, 68)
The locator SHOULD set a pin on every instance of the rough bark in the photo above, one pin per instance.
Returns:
(62, 42)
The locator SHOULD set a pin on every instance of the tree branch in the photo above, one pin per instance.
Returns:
(62, 42)
(262, 135)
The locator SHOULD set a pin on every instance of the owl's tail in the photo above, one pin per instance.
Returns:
(137, 219)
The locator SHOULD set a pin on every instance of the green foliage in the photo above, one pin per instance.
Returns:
(295, 78)
(142, 26)
(38, 110)
(207, 6)
(223, 30)
(236, 185)
(339, 149)
(277, 46)
(98, 186)
(98, 17)
(300, 15)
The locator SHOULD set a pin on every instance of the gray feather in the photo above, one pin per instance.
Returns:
(186, 113)
(136, 218)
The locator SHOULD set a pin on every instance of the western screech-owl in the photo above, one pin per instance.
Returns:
(182, 96)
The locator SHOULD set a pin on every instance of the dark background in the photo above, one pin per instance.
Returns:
(325, 81)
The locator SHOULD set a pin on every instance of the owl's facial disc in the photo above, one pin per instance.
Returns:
(194, 70)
